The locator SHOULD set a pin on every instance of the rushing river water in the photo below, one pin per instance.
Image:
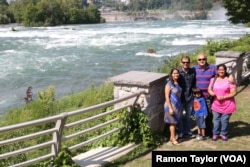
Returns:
(72, 57)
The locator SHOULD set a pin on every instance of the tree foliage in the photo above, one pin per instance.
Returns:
(52, 13)
(238, 11)
(4, 19)
(57, 12)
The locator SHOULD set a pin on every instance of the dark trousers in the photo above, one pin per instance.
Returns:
(209, 120)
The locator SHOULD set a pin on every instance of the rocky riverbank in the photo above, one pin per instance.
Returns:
(114, 16)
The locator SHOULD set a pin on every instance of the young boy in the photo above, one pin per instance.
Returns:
(201, 112)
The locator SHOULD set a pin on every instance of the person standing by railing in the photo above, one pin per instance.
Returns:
(187, 82)
(29, 94)
(204, 72)
(172, 105)
(223, 91)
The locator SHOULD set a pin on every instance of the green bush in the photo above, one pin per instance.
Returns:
(63, 159)
(4, 19)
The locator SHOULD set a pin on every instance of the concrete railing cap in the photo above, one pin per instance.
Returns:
(229, 54)
(139, 78)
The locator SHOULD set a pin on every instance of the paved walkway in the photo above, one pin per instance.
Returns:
(99, 156)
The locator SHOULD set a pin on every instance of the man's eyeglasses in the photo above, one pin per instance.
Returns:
(187, 62)
(202, 59)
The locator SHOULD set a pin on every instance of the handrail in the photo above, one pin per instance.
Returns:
(241, 72)
(6, 155)
(95, 117)
(29, 162)
(60, 126)
(27, 137)
(32, 123)
(94, 139)
(106, 103)
(89, 129)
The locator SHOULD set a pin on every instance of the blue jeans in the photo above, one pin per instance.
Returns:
(200, 121)
(221, 122)
(184, 125)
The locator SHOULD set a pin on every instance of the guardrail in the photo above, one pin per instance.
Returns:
(237, 64)
(246, 66)
(56, 132)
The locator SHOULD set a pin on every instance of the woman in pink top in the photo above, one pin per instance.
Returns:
(223, 89)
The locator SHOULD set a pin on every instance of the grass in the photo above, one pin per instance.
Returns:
(239, 136)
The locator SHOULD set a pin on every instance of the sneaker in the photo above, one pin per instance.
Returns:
(199, 137)
(215, 137)
(223, 137)
(203, 138)
(180, 137)
(190, 135)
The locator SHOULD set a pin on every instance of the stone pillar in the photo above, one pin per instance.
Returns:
(234, 62)
(152, 102)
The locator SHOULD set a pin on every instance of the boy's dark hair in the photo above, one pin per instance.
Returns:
(196, 90)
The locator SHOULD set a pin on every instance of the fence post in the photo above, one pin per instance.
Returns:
(57, 136)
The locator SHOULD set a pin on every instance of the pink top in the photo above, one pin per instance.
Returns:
(222, 88)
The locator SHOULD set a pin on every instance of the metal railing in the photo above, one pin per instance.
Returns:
(243, 69)
(246, 66)
(56, 132)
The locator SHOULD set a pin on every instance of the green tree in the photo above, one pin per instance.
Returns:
(18, 9)
(75, 16)
(3, 2)
(30, 14)
(3, 12)
(93, 14)
(238, 11)
(66, 7)
(52, 13)
(3, 19)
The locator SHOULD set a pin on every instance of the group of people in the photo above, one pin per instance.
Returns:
(204, 92)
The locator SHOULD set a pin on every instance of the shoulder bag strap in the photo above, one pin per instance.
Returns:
(212, 86)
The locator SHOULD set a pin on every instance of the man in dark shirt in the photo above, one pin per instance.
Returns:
(187, 82)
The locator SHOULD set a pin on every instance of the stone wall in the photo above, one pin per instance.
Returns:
(115, 16)
(152, 102)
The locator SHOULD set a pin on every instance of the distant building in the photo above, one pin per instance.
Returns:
(117, 1)
(9, 1)
(90, 1)
(125, 1)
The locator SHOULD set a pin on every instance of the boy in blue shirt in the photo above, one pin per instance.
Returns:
(200, 111)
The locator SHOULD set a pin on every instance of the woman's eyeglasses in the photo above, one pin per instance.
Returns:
(187, 62)
(202, 59)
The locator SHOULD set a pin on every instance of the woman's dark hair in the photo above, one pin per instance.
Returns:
(224, 67)
(170, 75)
